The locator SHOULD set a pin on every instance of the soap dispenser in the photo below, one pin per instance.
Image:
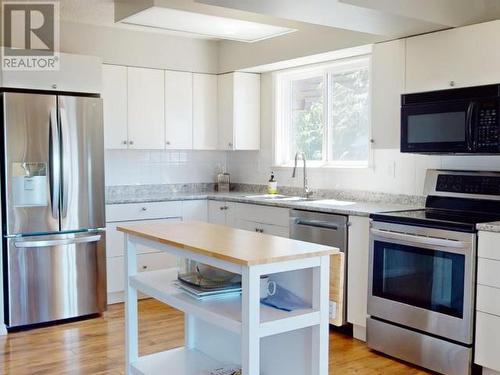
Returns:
(272, 186)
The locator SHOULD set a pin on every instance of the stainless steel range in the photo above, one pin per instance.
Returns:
(421, 294)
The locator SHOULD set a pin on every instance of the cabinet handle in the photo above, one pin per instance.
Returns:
(54, 86)
(167, 143)
(256, 229)
(124, 142)
(261, 230)
(230, 144)
(221, 208)
(144, 267)
(144, 209)
(130, 142)
(452, 83)
(226, 207)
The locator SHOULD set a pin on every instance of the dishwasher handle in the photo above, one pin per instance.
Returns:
(316, 224)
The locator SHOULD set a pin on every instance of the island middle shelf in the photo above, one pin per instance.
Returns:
(224, 312)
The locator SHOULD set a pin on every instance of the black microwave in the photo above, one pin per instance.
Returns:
(456, 121)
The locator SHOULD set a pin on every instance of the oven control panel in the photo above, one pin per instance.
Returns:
(467, 184)
(487, 137)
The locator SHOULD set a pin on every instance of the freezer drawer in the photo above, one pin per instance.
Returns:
(55, 277)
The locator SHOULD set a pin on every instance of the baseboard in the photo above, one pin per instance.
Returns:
(3, 330)
(119, 297)
(487, 371)
(359, 333)
(115, 297)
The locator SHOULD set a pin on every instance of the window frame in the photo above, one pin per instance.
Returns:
(283, 95)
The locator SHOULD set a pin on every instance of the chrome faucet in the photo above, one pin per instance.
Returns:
(306, 193)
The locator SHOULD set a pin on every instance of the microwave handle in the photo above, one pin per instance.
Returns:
(471, 142)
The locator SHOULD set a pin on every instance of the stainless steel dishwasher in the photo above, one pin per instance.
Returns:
(330, 230)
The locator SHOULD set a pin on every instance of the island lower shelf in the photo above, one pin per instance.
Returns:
(225, 312)
(179, 361)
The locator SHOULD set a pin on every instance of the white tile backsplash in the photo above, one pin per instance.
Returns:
(139, 167)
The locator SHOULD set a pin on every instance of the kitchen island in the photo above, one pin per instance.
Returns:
(235, 330)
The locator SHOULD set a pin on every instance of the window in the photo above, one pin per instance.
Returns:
(324, 113)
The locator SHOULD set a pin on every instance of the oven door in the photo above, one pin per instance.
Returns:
(446, 127)
(423, 278)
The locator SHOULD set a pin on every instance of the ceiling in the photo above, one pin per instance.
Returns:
(388, 18)
(102, 13)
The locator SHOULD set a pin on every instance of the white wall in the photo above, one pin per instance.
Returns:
(392, 171)
(136, 48)
(310, 40)
(153, 50)
(139, 167)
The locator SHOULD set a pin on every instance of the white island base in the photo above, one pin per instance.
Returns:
(235, 330)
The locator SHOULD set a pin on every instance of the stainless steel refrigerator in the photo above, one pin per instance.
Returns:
(53, 209)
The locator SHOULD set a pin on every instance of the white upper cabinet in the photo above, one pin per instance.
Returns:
(239, 111)
(461, 57)
(146, 108)
(388, 80)
(178, 110)
(204, 111)
(76, 73)
(114, 95)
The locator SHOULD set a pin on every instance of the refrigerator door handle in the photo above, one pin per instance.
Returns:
(54, 164)
(65, 160)
(49, 243)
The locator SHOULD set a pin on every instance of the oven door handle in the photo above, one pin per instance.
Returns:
(432, 241)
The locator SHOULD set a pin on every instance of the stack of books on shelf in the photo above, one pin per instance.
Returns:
(207, 290)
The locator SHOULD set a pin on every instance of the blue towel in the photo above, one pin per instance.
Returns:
(285, 300)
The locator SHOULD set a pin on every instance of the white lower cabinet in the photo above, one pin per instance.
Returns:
(357, 274)
(488, 304)
(275, 230)
(488, 340)
(147, 259)
(145, 262)
(218, 212)
(196, 210)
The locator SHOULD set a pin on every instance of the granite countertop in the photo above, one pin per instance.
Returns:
(489, 227)
(340, 206)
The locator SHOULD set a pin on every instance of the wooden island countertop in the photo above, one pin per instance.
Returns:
(229, 244)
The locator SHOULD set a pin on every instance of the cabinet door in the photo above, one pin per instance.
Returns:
(205, 112)
(487, 341)
(275, 230)
(178, 110)
(76, 73)
(114, 94)
(145, 262)
(217, 212)
(246, 111)
(357, 271)
(466, 56)
(225, 111)
(195, 210)
(115, 240)
(146, 108)
(388, 77)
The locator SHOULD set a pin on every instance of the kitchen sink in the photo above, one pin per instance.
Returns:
(278, 197)
(334, 202)
(287, 198)
(266, 196)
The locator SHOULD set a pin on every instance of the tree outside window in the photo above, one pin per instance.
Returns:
(324, 113)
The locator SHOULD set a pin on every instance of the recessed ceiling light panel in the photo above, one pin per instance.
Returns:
(204, 24)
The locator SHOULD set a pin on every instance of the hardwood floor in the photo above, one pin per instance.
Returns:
(95, 346)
